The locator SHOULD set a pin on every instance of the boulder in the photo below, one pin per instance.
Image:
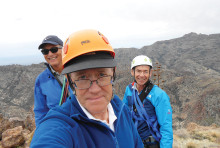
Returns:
(4, 125)
(13, 137)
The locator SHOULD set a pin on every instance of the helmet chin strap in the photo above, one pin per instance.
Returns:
(147, 83)
(71, 84)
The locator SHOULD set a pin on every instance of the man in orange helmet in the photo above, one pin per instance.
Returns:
(94, 116)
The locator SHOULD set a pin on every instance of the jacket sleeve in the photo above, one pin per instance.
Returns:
(137, 139)
(54, 133)
(40, 107)
(164, 116)
(125, 99)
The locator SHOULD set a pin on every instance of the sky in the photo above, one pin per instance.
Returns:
(126, 23)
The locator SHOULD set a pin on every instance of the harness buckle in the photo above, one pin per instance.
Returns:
(149, 139)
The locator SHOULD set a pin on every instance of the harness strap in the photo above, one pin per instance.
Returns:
(144, 116)
(148, 86)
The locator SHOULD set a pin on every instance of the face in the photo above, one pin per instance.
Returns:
(141, 74)
(54, 59)
(96, 98)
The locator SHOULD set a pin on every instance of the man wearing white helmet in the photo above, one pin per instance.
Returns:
(149, 105)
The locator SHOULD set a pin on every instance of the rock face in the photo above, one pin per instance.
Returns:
(191, 71)
(12, 137)
(17, 89)
(16, 132)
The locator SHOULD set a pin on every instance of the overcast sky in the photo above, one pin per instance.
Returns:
(126, 23)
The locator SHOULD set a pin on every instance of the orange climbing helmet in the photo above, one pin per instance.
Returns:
(87, 49)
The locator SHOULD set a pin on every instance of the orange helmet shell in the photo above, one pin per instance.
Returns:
(83, 42)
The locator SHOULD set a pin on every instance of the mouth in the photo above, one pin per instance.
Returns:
(52, 58)
(94, 99)
(142, 80)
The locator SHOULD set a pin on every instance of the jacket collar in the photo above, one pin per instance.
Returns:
(73, 109)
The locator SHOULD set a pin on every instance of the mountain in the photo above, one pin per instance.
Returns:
(189, 73)
(17, 89)
(190, 66)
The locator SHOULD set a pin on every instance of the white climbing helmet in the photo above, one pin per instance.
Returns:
(141, 60)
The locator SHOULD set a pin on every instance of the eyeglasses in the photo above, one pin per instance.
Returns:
(53, 50)
(86, 83)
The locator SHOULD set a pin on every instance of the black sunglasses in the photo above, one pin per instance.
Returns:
(53, 50)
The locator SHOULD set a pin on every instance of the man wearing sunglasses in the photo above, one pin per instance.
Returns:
(48, 85)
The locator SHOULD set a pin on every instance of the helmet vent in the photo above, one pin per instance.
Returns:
(104, 38)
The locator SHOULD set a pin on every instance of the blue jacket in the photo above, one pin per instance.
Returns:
(67, 126)
(47, 94)
(161, 109)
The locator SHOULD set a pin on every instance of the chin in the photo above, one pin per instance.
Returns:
(95, 110)
(53, 63)
(141, 83)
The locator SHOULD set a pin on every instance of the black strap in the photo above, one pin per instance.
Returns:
(58, 80)
(70, 83)
(149, 85)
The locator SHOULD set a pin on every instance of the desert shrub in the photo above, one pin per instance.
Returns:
(182, 133)
(191, 145)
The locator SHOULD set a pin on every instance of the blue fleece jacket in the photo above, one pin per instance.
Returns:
(47, 94)
(162, 110)
(67, 126)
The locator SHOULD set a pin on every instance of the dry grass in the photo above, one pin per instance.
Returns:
(195, 136)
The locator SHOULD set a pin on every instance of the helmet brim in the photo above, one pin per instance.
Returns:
(100, 60)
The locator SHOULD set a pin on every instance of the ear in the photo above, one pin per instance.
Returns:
(132, 72)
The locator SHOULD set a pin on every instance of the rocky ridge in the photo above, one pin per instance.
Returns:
(190, 69)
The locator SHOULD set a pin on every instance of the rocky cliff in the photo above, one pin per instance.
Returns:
(190, 73)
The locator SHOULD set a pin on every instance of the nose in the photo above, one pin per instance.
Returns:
(142, 73)
(49, 52)
(94, 87)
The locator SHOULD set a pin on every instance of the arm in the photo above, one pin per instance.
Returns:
(136, 137)
(164, 116)
(53, 133)
(40, 104)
